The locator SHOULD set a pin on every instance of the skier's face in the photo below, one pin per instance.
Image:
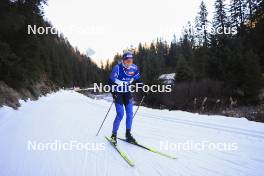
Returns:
(128, 62)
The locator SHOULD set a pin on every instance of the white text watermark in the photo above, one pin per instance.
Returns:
(58, 145)
(198, 146)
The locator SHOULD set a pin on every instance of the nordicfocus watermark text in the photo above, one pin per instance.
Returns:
(41, 30)
(130, 88)
(58, 145)
(198, 146)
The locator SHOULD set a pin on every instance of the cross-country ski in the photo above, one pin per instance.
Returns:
(131, 88)
(149, 149)
(121, 152)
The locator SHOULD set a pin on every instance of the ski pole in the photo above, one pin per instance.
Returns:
(105, 117)
(139, 105)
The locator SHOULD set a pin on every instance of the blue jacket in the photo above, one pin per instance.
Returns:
(123, 77)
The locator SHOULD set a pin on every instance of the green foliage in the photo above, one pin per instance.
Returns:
(183, 70)
(25, 59)
(232, 64)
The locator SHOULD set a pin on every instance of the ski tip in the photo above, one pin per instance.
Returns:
(132, 164)
(172, 157)
(123, 154)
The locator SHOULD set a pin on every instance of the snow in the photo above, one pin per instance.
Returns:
(67, 115)
(167, 76)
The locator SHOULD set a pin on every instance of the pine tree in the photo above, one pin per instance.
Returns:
(202, 24)
(220, 17)
(183, 70)
(171, 60)
(237, 10)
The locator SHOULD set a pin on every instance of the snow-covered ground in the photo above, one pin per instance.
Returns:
(68, 116)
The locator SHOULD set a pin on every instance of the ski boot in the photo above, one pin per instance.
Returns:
(113, 139)
(130, 138)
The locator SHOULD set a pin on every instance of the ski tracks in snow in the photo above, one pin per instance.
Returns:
(67, 115)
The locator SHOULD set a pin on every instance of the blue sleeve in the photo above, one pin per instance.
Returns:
(114, 74)
(137, 79)
(137, 75)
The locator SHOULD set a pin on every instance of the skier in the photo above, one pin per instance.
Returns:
(122, 75)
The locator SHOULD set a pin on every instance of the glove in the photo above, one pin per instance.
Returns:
(122, 83)
(126, 83)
